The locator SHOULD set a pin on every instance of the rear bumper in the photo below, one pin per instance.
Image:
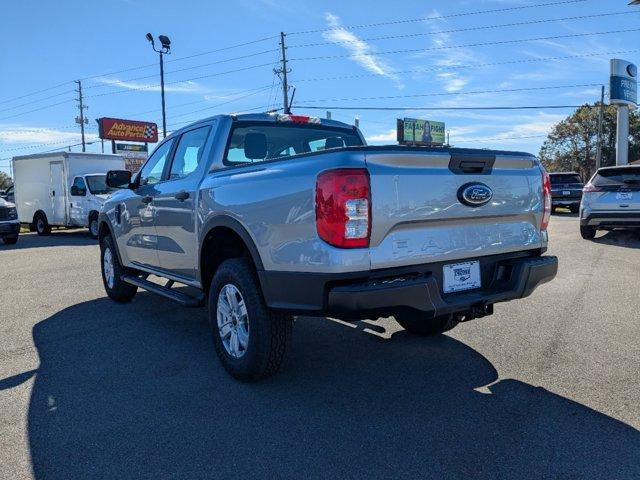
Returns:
(611, 219)
(565, 202)
(9, 229)
(383, 293)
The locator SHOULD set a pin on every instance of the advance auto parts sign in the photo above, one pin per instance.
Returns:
(129, 130)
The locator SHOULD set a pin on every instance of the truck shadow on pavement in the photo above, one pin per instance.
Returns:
(135, 391)
(619, 238)
(58, 238)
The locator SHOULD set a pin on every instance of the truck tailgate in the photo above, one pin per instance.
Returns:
(417, 216)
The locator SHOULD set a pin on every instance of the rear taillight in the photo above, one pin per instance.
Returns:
(590, 187)
(343, 207)
(546, 193)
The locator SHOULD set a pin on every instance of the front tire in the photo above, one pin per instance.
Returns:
(251, 341)
(587, 232)
(10, 240)
(420, 324)
(94, 227)
(112, 272)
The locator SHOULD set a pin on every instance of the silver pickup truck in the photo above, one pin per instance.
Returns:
(266, 216)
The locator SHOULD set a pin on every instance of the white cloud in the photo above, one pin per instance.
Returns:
(27, 135)
(447, 59)
(388, 136)
(185, 87)
(361, 51)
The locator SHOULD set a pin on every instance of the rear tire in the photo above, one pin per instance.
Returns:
(251, 341)
(574, 208)
(10, 240)
(420, 324)
(112, 273)
(42, 225)
(587, 232)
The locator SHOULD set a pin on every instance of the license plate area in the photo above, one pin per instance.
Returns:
(566, 193)
(458, 277)
(624, 196)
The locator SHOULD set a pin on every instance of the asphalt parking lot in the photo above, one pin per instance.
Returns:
(547, 387)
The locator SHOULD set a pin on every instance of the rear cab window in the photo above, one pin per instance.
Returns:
(254, 142)
(564, 178)
(617, 177)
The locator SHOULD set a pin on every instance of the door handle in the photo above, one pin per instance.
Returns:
(146, 200)
(182, 196)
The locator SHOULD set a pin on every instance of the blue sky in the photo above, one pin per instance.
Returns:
(437, 56)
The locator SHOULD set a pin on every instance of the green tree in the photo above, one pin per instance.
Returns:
(5, 180)
(572, 143)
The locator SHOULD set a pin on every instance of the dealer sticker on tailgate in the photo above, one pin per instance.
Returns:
(461, 276)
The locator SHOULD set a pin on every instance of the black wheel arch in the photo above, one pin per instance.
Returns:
(228, 224)
(105, 228)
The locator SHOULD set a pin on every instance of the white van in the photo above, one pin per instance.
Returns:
(62, 189)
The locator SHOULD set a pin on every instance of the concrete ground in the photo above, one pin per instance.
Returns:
(548, 387)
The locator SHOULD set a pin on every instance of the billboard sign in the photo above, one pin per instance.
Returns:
(127, 130)
(134, 155)
(421, 132)
(623, 83)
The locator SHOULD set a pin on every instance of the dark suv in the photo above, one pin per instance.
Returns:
(9, 224)
(566, 190)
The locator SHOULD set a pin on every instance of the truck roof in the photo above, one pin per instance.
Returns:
(262, 117)
(63, 154)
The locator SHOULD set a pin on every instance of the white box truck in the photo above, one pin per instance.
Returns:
(62, 189)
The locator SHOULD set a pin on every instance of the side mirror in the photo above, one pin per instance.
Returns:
(77, 191)
(119, 179)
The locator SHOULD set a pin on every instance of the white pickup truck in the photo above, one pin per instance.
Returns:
(266, 216)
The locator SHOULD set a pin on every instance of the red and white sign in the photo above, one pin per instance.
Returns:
(128, 130)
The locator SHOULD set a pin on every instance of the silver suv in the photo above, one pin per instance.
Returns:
(611, 200)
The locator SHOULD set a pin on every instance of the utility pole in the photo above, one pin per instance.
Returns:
(81, 119)
(283, 70)
(600, 120)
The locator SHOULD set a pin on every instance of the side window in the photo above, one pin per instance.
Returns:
(188, 153)
(151, 173)
(78, 182)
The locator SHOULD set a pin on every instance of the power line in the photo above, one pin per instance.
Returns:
(216, 74)
(176, 59)
(480, 44)
(253, 92)
(464, 66)
(439, 94)
(35, 93)
(525, 107)
(468, 29)
(437, 17)
(37, 101)
(38, 109)
(492, 139)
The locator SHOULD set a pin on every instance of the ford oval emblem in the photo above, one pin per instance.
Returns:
(474, 194)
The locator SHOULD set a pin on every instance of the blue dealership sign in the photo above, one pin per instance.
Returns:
(623, 83)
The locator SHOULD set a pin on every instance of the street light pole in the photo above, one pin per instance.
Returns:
(164, 115)
(164, 50)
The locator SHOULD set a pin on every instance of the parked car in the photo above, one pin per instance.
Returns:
(566, 190)
(611, 200)
(8, 195)
(9, 223)
(267, 216)
(61, 189)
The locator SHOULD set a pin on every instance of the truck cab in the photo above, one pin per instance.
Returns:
(87, 195)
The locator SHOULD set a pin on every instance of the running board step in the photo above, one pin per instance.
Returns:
(165, 291)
